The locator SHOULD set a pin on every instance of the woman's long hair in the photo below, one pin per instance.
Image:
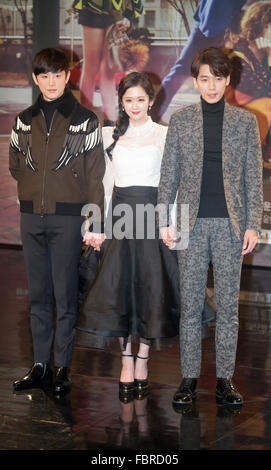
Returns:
(255, 19)
(131, 80)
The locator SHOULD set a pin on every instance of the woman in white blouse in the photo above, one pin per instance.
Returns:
(135, 294)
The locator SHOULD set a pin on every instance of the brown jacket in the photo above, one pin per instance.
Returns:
(60, 171)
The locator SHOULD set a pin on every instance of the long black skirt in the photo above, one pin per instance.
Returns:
(135, 293)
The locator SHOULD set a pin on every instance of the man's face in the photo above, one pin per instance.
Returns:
(211, 87)
(51, 85)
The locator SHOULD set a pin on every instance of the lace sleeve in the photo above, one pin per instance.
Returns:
(162, 137)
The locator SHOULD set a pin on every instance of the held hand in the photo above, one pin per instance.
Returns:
(168, 235)
(250, 241)
(94, 239)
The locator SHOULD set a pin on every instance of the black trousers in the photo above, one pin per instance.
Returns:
(52, 247)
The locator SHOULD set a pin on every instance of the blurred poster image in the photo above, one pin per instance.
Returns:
(106, 39)
(108, 48)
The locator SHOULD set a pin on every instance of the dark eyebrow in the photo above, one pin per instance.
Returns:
(208, 76)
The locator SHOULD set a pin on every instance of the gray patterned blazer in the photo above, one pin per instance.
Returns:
(182, 163)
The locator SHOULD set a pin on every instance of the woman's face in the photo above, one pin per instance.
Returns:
(136, 103)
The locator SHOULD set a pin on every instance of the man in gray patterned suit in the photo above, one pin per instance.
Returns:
(213, 159)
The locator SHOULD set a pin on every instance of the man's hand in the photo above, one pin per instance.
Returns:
(168, 235)
(250, 241)
(94, 239)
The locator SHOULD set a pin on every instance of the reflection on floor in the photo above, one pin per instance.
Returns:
(92, 417)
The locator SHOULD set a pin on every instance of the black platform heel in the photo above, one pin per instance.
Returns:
(126, 389)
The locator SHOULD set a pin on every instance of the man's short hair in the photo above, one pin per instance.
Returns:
(50, 60)
(217, 60)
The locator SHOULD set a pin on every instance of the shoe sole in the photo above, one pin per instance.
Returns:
(182, 403)
(183, 409)
(222, 401)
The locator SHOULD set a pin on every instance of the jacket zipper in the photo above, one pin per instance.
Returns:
(44, 167)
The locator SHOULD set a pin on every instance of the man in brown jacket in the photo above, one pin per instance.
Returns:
(56, 156)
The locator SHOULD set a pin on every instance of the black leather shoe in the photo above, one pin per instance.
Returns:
(62, 383)
(186, 392)
(227, 394)
(39, 376)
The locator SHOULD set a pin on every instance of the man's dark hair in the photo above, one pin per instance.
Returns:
(50, 60)
(217, 60)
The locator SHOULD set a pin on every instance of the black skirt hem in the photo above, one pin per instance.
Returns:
(109, 340)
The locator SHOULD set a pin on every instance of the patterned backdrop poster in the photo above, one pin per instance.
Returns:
(106, 39)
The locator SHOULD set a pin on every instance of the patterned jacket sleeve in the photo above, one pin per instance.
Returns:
(254, 178)
(170, 173)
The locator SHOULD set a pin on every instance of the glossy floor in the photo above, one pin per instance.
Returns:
(92, 418)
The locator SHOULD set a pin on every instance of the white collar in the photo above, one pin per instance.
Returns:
(139, 130)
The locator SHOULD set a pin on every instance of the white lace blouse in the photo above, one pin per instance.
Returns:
(136, 158)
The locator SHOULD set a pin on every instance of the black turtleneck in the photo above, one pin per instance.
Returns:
(212, 199)
(49, 107)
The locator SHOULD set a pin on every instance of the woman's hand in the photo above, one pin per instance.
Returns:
(94, 239)
(168, 235)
